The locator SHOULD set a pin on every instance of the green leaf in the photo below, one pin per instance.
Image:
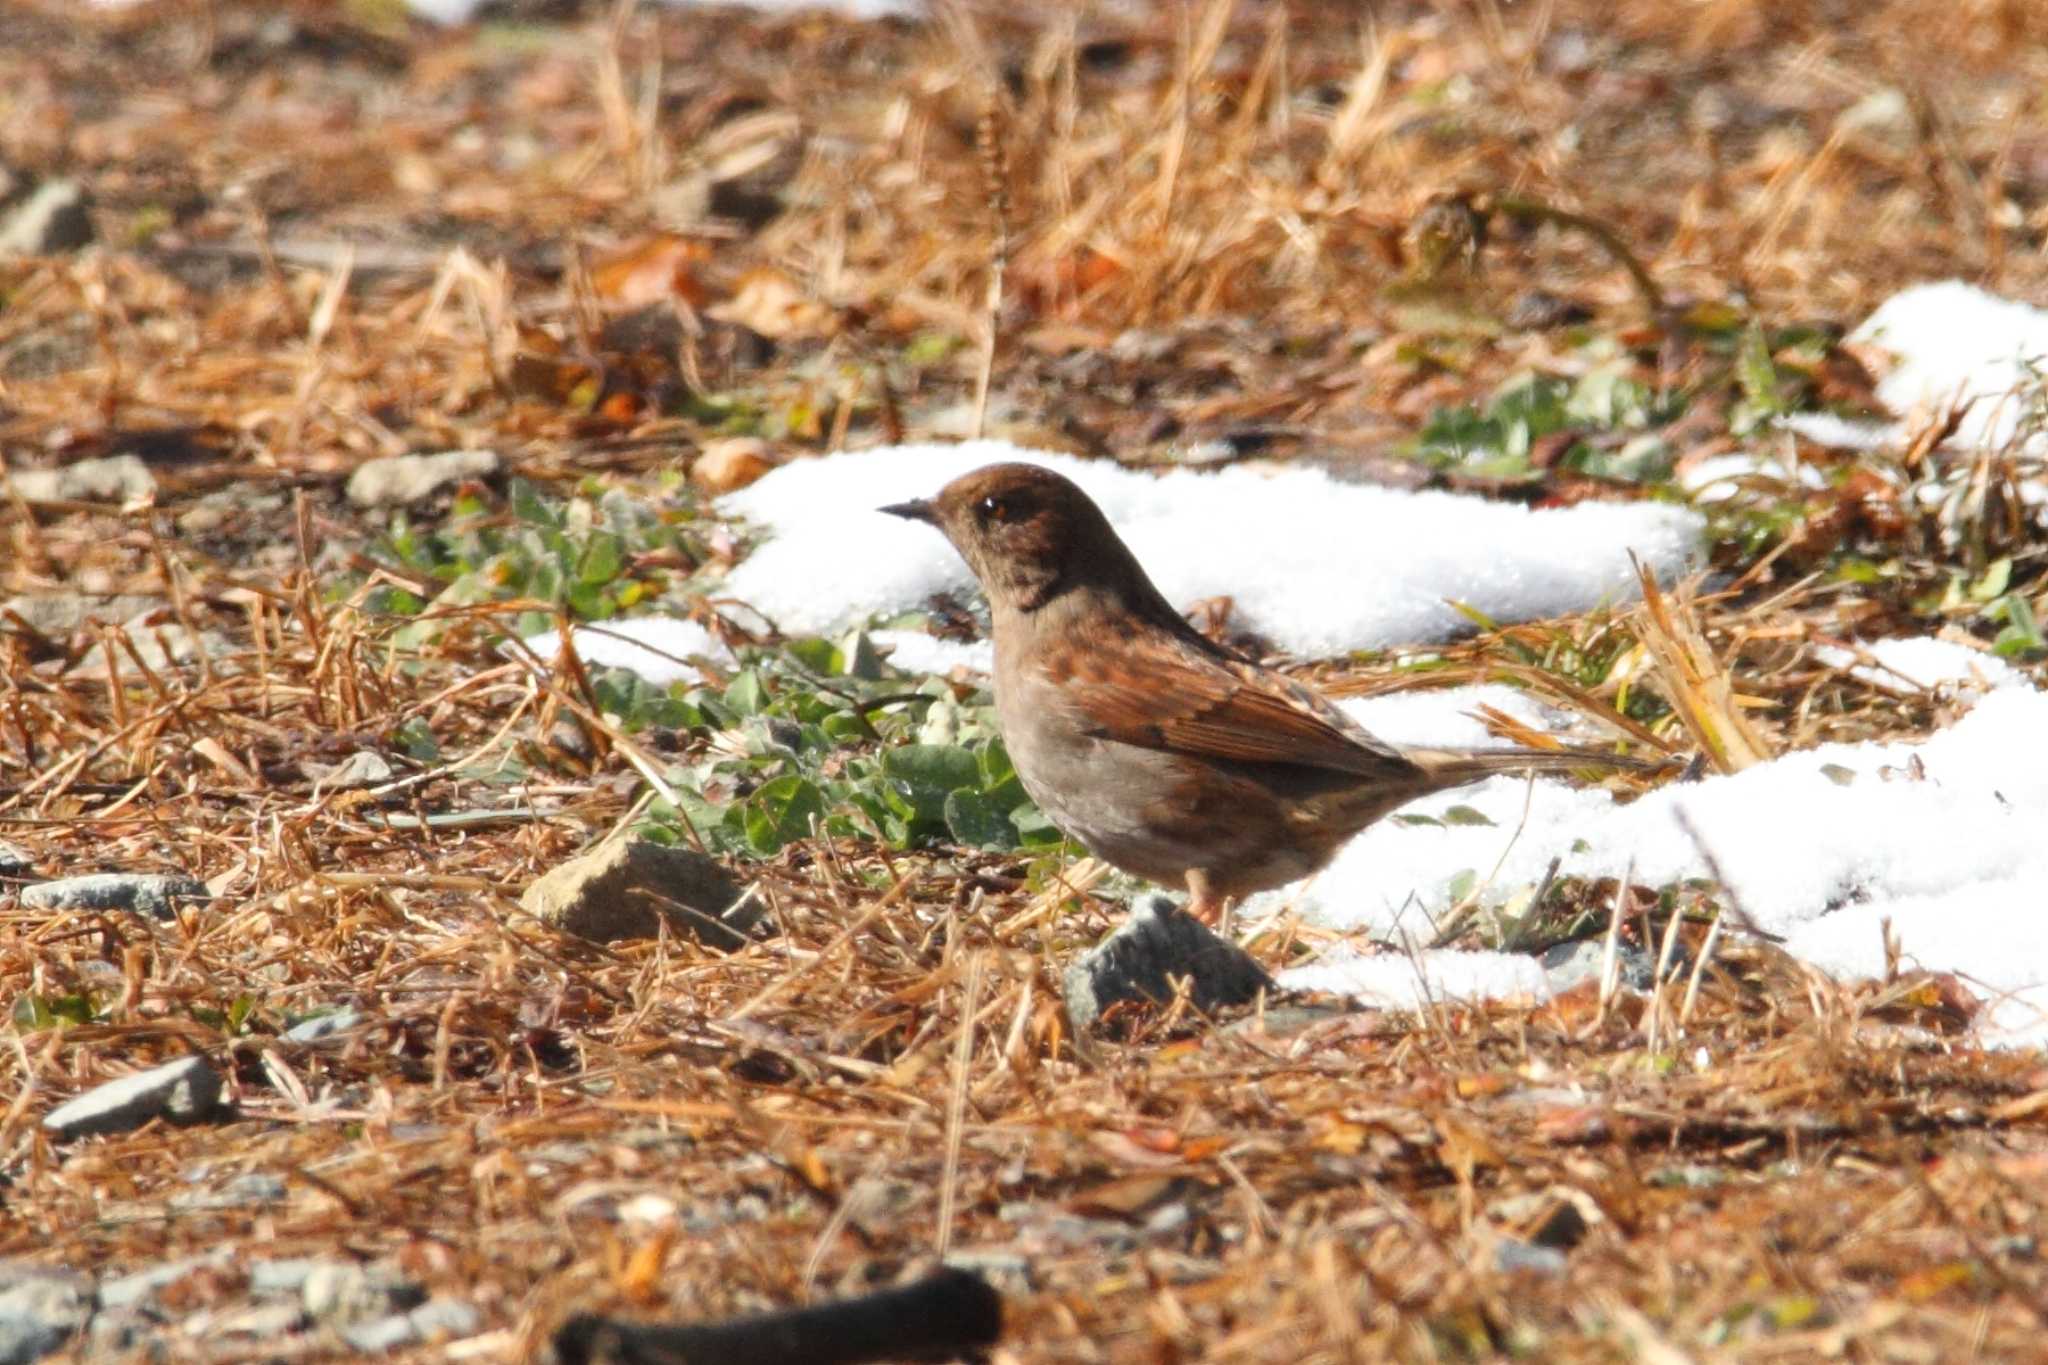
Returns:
(603, 557)
(1755, 373)
(1465, 815)
(921, 776)
(1997, 577)
(996, 768)
(1035, 829)
(820, 656)
(781, 811)
(415, 739)
(748, 694)
(978, 822)
(46, 1011)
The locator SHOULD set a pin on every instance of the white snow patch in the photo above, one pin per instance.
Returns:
(658, 648)
(1721, 477)
(1953, 342)
(1821, 846)
(1840, 433)
(1921, 664)
(915, 652)
(1399, 981)
(1318, 567)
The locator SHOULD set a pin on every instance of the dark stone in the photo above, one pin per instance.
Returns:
(1141, 960)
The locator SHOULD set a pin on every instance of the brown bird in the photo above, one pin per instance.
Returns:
(1167, 755)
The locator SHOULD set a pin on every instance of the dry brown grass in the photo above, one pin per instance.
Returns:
(1799, 1169)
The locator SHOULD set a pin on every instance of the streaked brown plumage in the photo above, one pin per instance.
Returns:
(1168, 756)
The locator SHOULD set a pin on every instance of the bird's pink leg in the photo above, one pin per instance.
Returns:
(1203, 902)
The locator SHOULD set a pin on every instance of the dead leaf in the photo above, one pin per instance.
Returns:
(724, 466)
(770, 303)
(651, 270)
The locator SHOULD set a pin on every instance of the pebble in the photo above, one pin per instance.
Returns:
(329, 1027)
(56, 218)
(1140, 961)
(144, 893)
(436, 1318)
(184, 1091)
(116, 478)
(41, 1308)
(398, 480)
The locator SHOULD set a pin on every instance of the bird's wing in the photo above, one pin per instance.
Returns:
(1196, 703)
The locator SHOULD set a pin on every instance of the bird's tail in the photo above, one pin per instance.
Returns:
(1455, 767)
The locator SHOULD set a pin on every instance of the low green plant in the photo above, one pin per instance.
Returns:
(820, 738)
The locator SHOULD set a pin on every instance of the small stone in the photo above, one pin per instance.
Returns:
(341, 1291)
(15, 860)
(40, 1310)
(55, 615)
(401, 479)
(363, 768)
(160, 645)
(1538, 310)
(137, 1288)
(625, 888)
(284, 1276)
(119, 479)
(267, 1322)
(184, 1091)
(244, 1191)
(142, 893)
(322, 1028)
(1573, 964)
(1286, 1021)
(1562, 1229)
(1140, 961)
(56, 218)
(1511, 1256)
(730, 464)
(436, 1319)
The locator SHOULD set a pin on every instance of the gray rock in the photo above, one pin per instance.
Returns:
(58, 614)
(267, 1322)
(625, 888)
(15, 860)
(161, 645)
(137, 1288)
(244, 1191)
(41, 1309)
(142, 893)
(401, 479)
(1566, 965)
(286, 1275)
(1141, 960)
(341, 1291)
(327, 1027)
(235, 508)
(435, 1319)
(1511, 1256)
(117, 478)
(57, 217)
(184, 1091)
(363, 768)
(1286, 1021)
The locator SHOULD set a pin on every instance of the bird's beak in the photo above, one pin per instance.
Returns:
(917, 509)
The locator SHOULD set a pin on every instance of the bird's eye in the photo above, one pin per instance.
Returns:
(992, 508)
